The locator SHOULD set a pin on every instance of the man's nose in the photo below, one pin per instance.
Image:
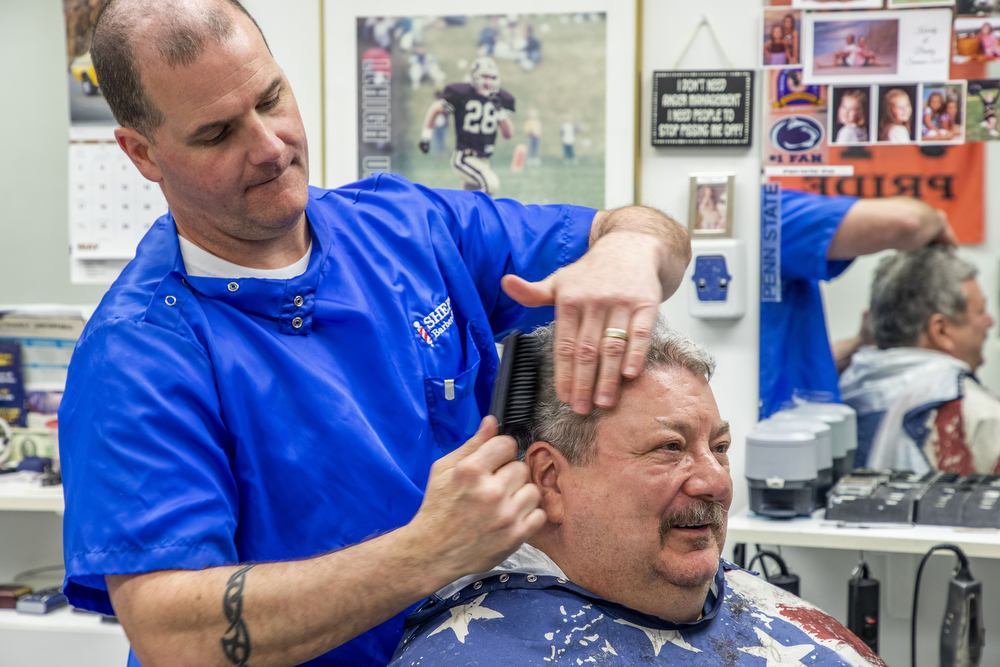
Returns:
(708, 478)
(266, 146)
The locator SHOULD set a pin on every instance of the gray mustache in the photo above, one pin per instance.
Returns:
(698, 514)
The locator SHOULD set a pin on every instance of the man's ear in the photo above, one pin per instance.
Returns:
(939, 333)
(137, 147)
(546, 465)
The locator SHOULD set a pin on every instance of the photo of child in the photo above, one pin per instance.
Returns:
(941, 113)
(711, 200)
(781, 37)
(711, 208)
(981, 110)
(850, 124)
(846, 47)
(976, 39)
(895, 124)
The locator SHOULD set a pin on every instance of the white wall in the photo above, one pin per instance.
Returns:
(34, 239)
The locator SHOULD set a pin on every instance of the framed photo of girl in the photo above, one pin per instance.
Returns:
(897, 114)
(942, 112)
(782, 43)
(710, 214)
(851, 123)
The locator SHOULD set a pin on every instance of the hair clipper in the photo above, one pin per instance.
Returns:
(962, 633)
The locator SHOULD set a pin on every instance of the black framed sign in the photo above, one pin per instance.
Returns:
(710, 108)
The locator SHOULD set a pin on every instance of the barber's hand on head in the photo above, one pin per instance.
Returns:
(424, 145)
(479, 506)
(615, 285)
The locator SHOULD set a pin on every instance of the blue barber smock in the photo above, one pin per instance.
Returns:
(795, 351)
(209, 421)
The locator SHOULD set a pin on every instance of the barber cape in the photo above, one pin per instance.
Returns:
(525, 612)
(920, 410)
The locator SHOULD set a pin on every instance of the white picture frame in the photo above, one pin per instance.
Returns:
(911, 46)
(340, 113)
(837, 4)
(711, 205)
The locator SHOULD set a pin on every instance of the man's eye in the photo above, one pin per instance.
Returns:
(219, 137)
(672, 446)
(722, 448)
(269, 104)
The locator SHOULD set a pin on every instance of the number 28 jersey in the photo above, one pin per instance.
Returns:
(476, 117)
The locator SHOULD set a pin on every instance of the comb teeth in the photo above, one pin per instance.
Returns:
(523, 388)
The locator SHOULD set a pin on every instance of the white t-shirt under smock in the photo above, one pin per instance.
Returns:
(199, 262)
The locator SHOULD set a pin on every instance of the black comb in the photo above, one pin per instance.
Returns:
(515, 390)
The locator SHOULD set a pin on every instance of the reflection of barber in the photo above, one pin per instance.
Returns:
(820, 236)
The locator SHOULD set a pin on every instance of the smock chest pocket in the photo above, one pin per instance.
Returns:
(451, 402)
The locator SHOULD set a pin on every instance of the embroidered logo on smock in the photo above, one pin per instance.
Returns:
(435, 323)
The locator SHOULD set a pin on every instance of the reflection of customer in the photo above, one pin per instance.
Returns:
(929, 320)
(988, 41)
(852, 114)
(791, 38)
(820, 237)
(897, 113)
(776, 48)
(709, 216)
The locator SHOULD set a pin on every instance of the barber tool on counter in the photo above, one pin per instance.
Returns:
(843, 420)
(781, 469)
(824, 453)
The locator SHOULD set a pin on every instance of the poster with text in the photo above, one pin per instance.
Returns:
(513, 105)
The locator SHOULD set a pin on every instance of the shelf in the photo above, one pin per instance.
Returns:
(63, 619)
(817, 532)
(23, 497)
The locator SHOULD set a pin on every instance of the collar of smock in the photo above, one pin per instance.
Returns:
(291, 302)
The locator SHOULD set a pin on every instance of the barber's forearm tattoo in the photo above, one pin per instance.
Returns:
(236, 640)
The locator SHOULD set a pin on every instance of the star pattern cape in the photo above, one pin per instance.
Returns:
(519, 618)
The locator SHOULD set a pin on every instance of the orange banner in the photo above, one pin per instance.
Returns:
(946, 177)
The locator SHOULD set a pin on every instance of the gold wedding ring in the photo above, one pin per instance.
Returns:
(611, 332)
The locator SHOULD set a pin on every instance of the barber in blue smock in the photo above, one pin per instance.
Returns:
(262, 431)
(820, 237)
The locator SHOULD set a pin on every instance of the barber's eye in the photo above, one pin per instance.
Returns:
(269, 104)
(219, 137)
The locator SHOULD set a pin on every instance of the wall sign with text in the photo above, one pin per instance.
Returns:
(712, 108)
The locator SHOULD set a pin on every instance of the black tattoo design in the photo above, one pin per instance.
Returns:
(236, 640)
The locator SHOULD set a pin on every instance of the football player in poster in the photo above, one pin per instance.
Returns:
(480, 108)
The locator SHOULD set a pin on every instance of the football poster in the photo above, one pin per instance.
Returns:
(513, 105)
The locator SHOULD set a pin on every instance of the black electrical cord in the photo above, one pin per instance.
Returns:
(761, 555)
(963, 567)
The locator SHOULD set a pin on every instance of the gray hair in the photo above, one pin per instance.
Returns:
(180, 39)
(574, 435)
(910, 287)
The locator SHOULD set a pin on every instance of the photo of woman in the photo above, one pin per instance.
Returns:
(781, 37)
(709, 215)
(895, 125)
(710, 207)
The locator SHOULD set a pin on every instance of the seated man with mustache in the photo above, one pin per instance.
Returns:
(627, 569)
